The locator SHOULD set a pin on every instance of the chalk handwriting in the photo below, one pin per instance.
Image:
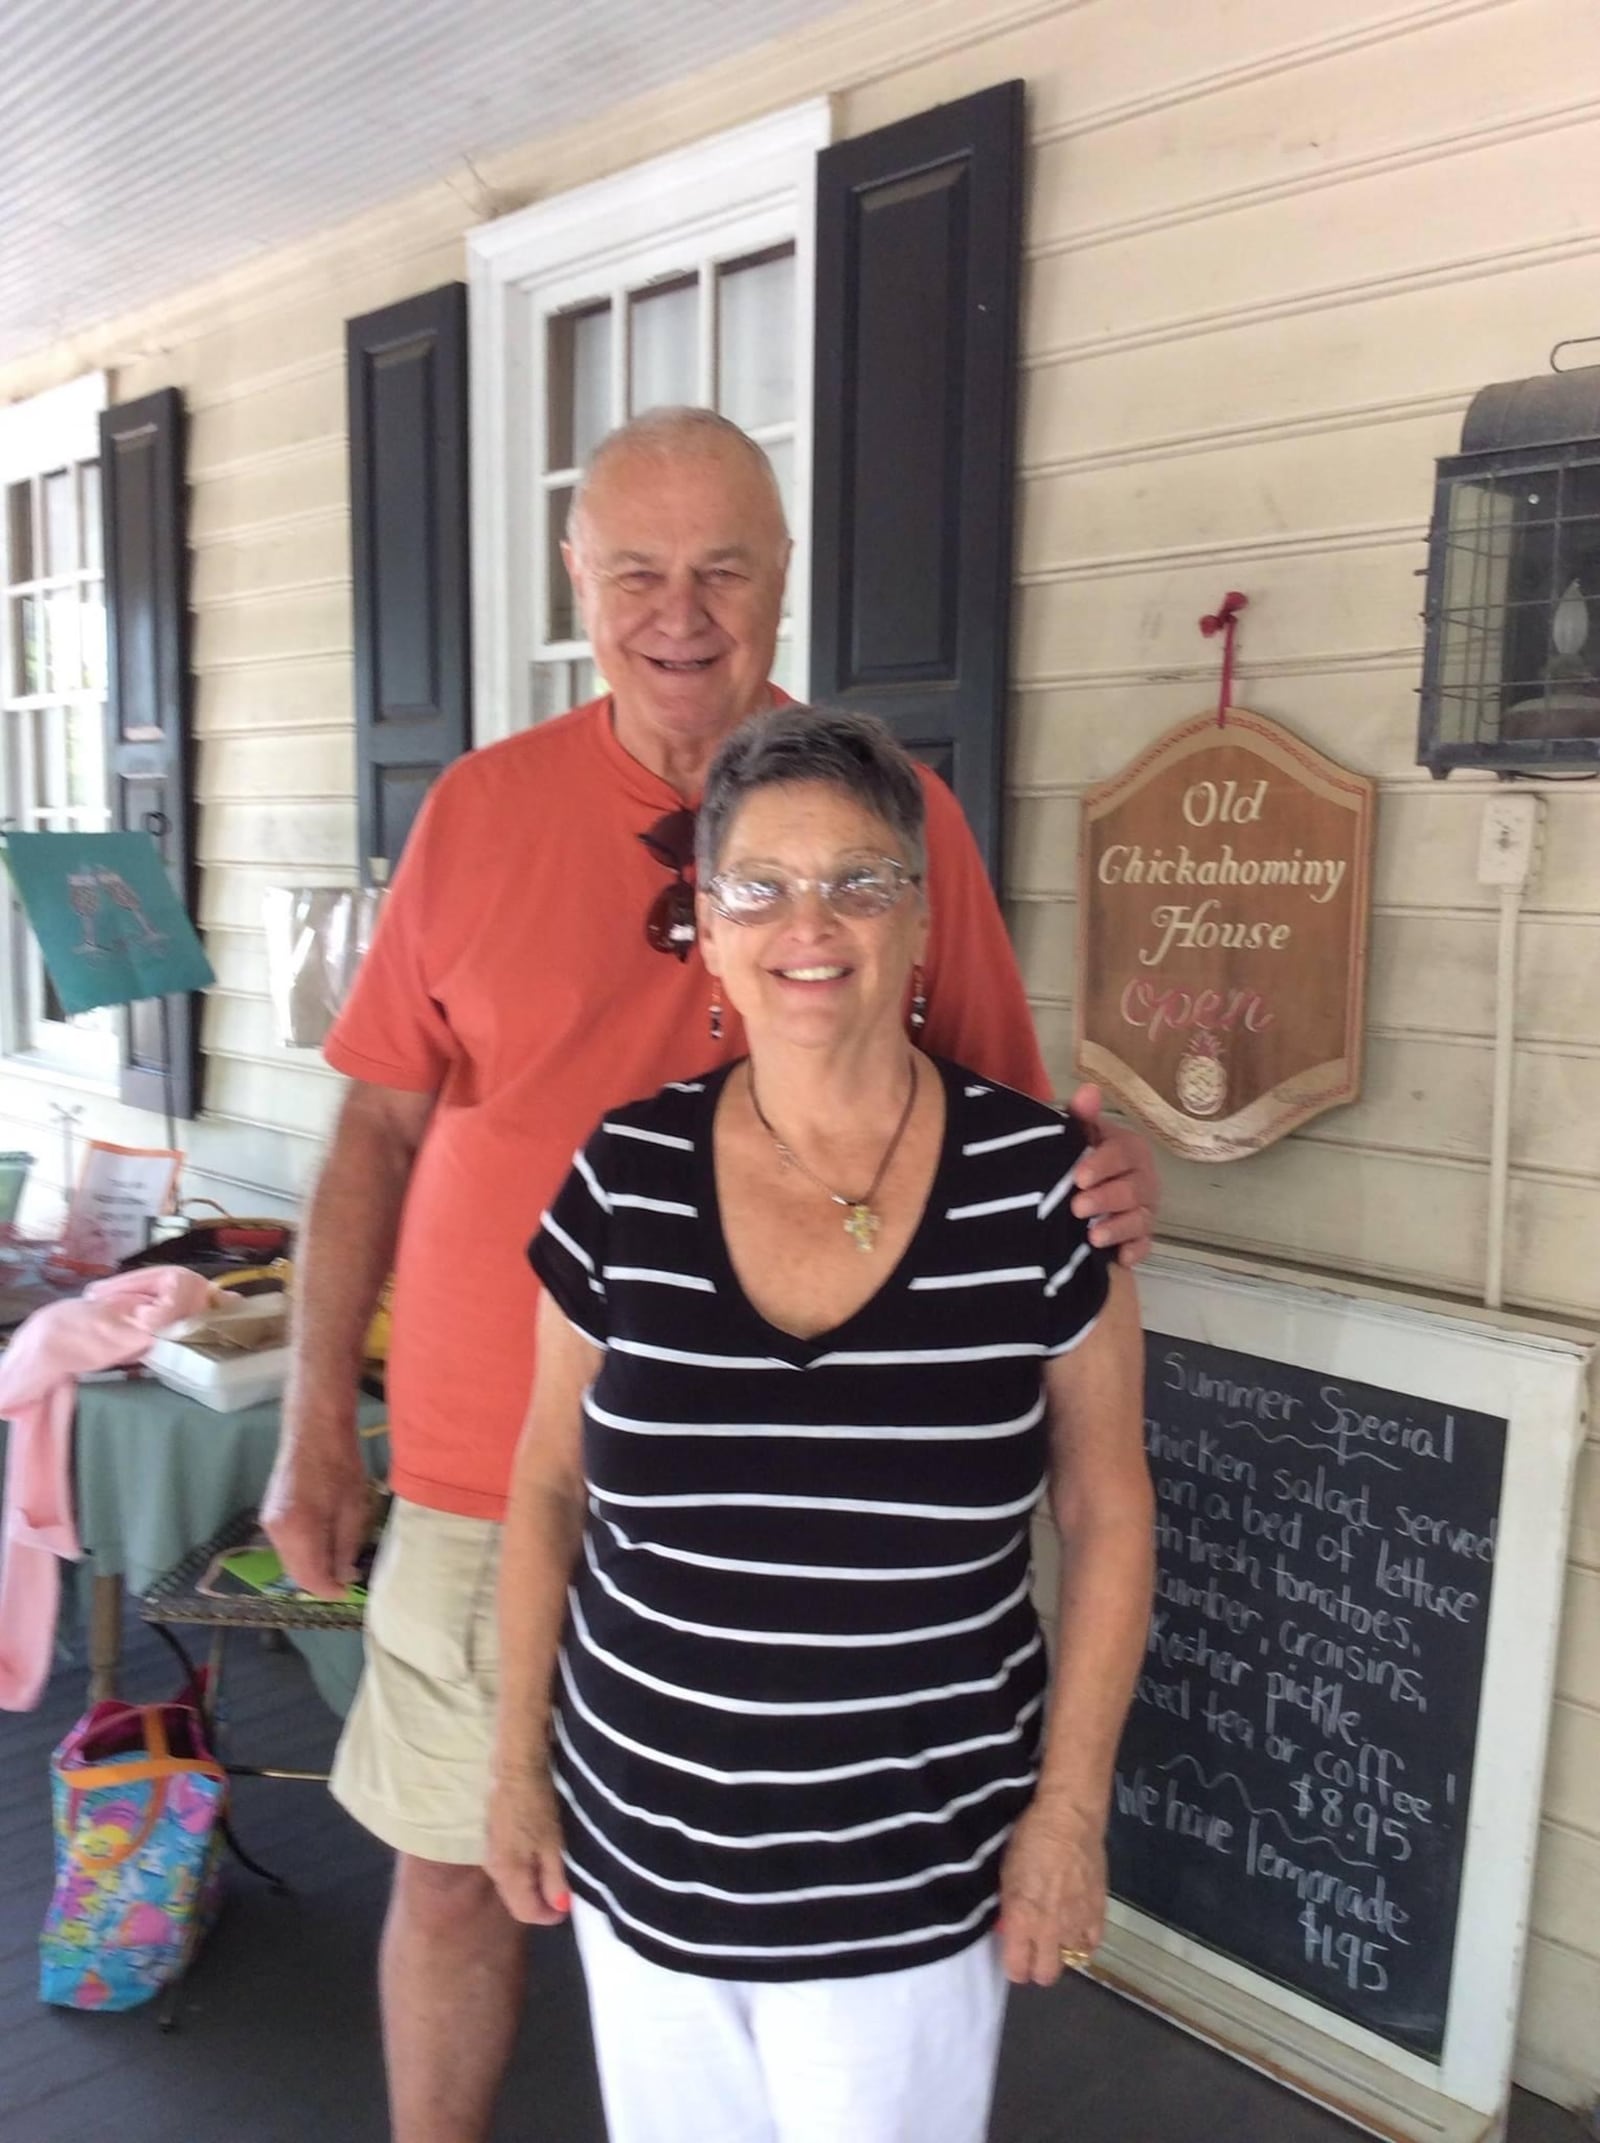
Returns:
(1304, 1719)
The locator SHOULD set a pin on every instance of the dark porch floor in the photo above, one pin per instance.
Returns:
(278, 2037)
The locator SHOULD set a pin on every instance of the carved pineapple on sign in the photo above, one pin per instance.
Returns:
(1202, 1077)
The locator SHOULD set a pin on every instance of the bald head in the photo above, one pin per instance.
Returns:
(677, 549)
(644, 446)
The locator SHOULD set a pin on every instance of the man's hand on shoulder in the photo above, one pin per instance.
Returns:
(1118, 1190)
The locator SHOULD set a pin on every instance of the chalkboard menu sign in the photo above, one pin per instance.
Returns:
(1292, 1787)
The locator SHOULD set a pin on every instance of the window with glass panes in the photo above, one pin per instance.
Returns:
(687, 279)
(718, 336)
(52, 695)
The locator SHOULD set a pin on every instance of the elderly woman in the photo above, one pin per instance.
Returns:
(818, 1330)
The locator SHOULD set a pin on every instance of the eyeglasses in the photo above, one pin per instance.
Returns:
(669, 919)
(861, 891)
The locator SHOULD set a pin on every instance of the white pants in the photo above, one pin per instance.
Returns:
(893, 2057)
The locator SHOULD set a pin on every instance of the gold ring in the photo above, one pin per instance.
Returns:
(1075, 1960)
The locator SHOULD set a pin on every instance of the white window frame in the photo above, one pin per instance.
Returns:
(738, 193)
(60, 426)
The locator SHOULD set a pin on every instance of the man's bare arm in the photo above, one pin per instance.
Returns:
(317, 1502)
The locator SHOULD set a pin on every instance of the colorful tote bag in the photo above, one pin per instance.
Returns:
(138, 1801)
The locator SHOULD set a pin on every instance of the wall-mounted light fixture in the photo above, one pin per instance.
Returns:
(1511, 661)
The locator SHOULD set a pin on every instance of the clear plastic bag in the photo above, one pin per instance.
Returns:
(317, 937)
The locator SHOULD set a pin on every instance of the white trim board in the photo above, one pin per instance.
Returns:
(1532, 1375)
(60, 425)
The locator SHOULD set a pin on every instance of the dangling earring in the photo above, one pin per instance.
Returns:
(716, 1011)
(919, 1000)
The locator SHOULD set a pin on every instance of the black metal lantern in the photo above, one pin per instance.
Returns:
(1511, 662)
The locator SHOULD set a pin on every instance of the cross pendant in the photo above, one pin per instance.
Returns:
(862, 1225)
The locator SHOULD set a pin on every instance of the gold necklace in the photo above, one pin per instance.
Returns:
(861, 1222)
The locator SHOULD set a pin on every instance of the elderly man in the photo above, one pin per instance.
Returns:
(532, 971)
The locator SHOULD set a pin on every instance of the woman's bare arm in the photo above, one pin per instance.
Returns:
(1053, 1887)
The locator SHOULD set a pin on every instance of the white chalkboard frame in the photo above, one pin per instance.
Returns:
(1532, 1374)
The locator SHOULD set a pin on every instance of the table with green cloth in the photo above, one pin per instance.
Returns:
(156, 1474)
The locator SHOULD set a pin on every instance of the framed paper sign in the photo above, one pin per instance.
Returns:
(121, 1190)
(1223, 898)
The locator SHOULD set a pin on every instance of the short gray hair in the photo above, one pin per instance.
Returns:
(788, 745)
(666, 432)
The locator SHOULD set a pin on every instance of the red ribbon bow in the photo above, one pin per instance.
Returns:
(1225, 621)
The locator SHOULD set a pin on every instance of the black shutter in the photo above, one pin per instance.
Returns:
(918, 249)
(148, 703)
(407, 373)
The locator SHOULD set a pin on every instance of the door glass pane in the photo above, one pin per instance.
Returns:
(49, 766)
(86, 781)
(755, 339)
(61, 666)
(92, 637)
(60, 523)
(561, 611)
(785, 666)
(664, 346)
(549, 690)
(89, 505)
(27, 657)
(19, 532)
(781, 455)
(579, 385)
(560, 683)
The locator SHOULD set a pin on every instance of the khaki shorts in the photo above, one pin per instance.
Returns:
(413, 1762)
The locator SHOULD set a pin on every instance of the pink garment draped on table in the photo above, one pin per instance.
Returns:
(113, 1321)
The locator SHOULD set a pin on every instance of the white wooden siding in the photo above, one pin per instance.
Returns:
(1270, 255)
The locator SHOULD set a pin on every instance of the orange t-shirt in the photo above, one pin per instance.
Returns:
(511, 977)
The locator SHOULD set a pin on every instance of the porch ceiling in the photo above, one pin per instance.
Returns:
(147, 144)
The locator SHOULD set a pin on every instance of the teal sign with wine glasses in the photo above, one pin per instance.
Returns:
(107, 917)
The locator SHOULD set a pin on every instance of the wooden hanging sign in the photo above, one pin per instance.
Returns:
(1224, 880)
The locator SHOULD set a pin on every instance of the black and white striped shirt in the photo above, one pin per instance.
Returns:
(799, 1693)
